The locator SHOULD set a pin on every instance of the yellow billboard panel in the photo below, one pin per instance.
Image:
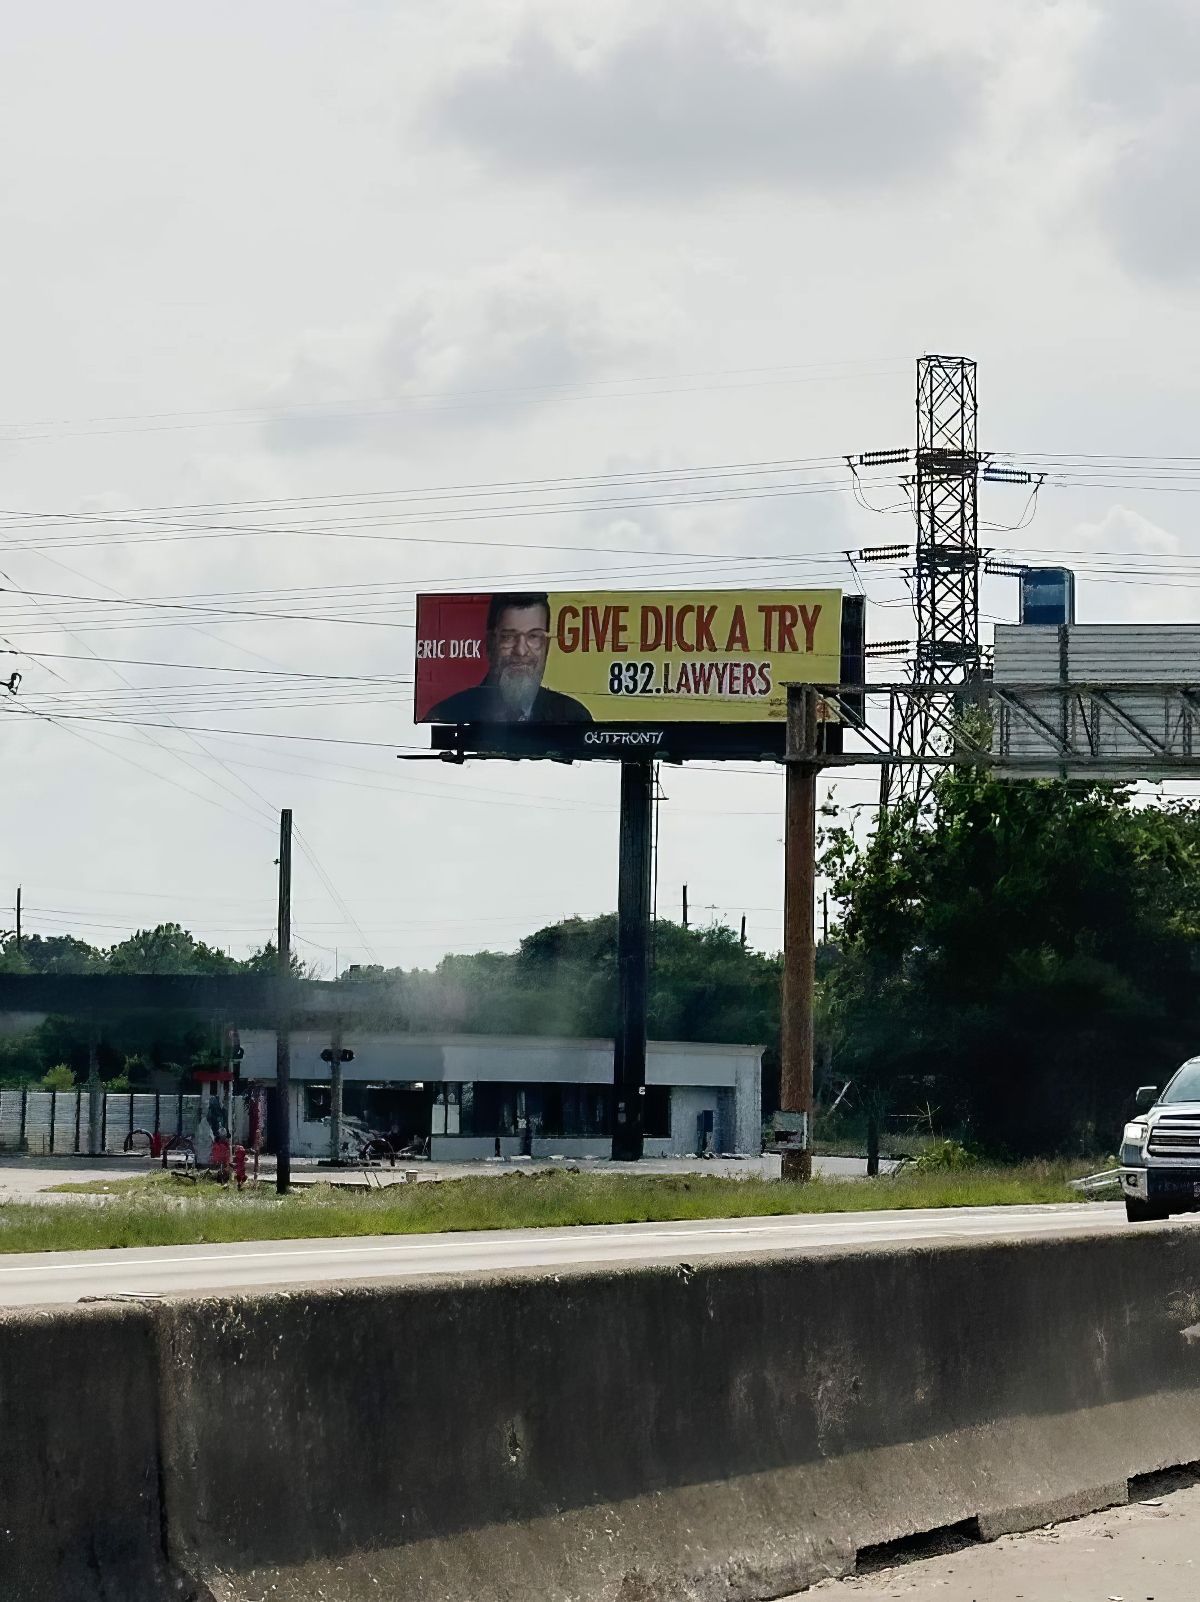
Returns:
(710, 656)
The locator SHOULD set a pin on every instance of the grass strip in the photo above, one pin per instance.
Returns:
(159, 1210)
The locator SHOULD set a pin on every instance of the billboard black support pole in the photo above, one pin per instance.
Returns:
(633, 938)
(799, 936)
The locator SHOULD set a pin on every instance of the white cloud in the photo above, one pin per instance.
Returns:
(780, 204)
(1149, 202)
(487, 346)
(1140, 54)
(697, 99)
(1112, 590)
(1140, 76)
(1122, 530)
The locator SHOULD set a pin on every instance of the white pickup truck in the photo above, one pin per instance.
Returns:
(1160, 1149)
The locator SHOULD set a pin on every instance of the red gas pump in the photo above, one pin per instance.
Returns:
(214, 1078)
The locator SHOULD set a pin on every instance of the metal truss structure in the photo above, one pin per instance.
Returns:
(946, 598)
(1097, 732)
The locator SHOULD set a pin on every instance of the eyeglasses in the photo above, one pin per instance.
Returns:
(535, 639)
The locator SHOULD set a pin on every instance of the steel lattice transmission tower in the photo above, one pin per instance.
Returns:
(946, 596)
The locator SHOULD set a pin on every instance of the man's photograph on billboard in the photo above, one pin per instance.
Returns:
(719, 656)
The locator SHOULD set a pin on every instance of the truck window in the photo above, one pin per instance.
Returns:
(1186, 1084)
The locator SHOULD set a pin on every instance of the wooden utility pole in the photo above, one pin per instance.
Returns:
(283, 1044)
(18, 918)
(685, 907)
(743, 931)
(799, 943)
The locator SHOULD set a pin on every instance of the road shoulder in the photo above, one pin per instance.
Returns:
(1148, 1551)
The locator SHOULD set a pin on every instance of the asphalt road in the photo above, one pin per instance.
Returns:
(43, 1278)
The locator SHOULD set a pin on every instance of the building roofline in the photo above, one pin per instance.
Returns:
(534, 1042)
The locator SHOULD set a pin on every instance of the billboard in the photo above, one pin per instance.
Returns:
(565, 660)
(1097, 701)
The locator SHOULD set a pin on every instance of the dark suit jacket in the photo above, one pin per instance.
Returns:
(483, 705)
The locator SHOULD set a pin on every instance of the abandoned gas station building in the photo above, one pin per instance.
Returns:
(535, 1095)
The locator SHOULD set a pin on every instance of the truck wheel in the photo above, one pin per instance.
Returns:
(1140, 1212)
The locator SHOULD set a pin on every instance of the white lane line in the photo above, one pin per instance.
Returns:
(399, 1247)
(823, 1232)
(904, 1225)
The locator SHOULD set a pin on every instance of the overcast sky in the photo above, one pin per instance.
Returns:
(290, 249)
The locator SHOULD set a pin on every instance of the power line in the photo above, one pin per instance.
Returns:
(165, 778)
(463, 790)
(219, 613)
(595, 389)
(205, 667)
(161, 532)
(630, 478)
(152, 738)
(173, 723)
(540, 485)
(333, 893)
(250, 734)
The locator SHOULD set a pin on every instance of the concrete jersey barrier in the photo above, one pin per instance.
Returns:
(733, 1431)
(81, 1516)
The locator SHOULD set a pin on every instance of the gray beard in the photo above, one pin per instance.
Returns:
(518, 692)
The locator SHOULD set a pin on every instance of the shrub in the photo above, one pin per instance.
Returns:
(944, 1156)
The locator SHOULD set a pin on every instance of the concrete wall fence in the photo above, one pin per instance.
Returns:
(53, 1122)
(731, 1431)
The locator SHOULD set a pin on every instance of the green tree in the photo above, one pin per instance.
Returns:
(1022, 958)
(22, 1060)
(562, 979)
(169, 948)
(130, 1048)
(49, 954)
(264, 960)
(59, 1077)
